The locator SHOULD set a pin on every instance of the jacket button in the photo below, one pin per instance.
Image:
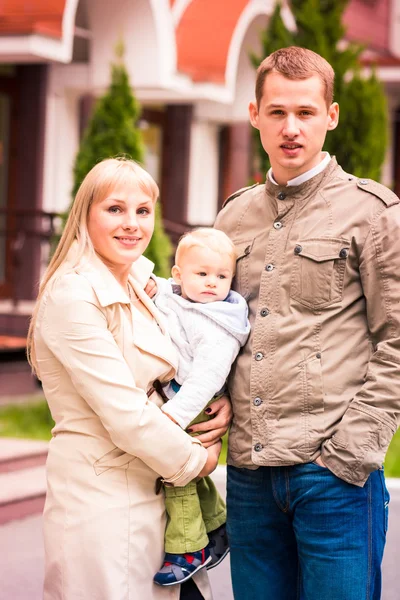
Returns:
(269, 267)
(246, 251)
(257, 401)
(278, 225)
(318, 355)
(297, 249)
(259, 356)
(364, 181)
(258, 447)
(281, 196)
(344, 253)
(264, 312)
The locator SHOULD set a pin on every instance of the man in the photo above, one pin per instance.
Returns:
(316, 390)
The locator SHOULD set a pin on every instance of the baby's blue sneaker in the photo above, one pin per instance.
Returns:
(218, 546)
(178, 568)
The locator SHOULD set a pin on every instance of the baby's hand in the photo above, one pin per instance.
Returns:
(151, 288)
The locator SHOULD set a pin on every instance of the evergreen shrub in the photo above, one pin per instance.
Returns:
(112, 132)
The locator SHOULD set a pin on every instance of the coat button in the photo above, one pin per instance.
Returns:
(264, 312)
(344, 253)
(259, 356)
(257, 401)
(278, 225)
(297, 249)
(318, 355)
(281, 196)
(269, 267)
(258, 447)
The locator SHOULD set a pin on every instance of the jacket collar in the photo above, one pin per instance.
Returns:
(103, 282)
(305, 189)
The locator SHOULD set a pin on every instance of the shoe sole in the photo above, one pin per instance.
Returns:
(189, 576)
(219, 560)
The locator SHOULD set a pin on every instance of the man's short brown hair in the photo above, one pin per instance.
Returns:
(296, 63)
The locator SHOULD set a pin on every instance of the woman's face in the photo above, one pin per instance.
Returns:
(121, 224)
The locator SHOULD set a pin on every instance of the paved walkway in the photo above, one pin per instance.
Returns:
(21, 564)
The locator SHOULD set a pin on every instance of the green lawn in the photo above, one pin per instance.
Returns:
(33, 420)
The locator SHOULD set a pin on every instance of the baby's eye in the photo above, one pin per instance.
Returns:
(114, 210)
(222, 276)
(202, 274)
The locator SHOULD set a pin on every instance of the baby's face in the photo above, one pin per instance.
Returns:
(204, 275)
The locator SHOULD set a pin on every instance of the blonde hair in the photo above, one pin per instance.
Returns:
(106, 174)
(296, 63)
(206, 237)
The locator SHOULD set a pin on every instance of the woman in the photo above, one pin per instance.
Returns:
(98, 344)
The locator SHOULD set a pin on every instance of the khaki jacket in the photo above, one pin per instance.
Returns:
(98, 357)
(319, 265)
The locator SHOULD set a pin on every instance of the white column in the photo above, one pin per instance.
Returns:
(394, 32)
(203, 174)
(61, 146)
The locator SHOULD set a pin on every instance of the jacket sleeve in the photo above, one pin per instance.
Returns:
(76, 330)
(359, 445)
(215, 351)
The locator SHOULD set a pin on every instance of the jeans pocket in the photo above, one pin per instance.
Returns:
(386, 500)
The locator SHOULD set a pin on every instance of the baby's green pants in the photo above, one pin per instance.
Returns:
(193, 511)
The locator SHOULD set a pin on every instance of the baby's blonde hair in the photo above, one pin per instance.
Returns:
(206, 237)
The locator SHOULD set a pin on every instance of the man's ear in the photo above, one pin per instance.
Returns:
(333, 116)
(253, 114)
(176, 274)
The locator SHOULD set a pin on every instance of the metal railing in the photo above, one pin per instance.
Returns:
(22, 231)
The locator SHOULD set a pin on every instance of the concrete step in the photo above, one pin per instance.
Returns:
(22, 478)
(16, 454)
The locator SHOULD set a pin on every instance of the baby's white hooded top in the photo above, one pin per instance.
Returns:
(208, 338)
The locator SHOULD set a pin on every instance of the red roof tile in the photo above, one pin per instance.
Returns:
(203, 38)
(21, 17)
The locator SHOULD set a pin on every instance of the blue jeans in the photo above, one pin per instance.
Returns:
(300, 532)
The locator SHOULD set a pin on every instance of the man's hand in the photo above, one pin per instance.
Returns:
(320, 462)
(151, 288)
(221, 416)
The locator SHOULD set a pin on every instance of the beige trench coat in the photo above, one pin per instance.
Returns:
(98, 357)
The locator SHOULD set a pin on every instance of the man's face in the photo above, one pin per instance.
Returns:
(293, 119)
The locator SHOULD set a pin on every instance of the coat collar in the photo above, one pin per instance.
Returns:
(103, 282)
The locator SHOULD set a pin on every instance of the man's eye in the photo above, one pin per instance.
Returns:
(306, 113)
(114, 209)
(277, 112)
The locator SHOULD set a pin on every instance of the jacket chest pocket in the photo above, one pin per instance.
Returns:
(242, 275)
(318, 271)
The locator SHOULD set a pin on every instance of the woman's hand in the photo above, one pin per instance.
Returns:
(212, 459)
(213, 430)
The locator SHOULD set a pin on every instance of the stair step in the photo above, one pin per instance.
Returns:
(22, 493)
(22, 478)
(17, 454)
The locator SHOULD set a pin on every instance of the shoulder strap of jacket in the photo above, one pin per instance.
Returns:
(239, 193)
(378, 190)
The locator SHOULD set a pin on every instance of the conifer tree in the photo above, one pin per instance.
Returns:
(112, 131)
(359, 142)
